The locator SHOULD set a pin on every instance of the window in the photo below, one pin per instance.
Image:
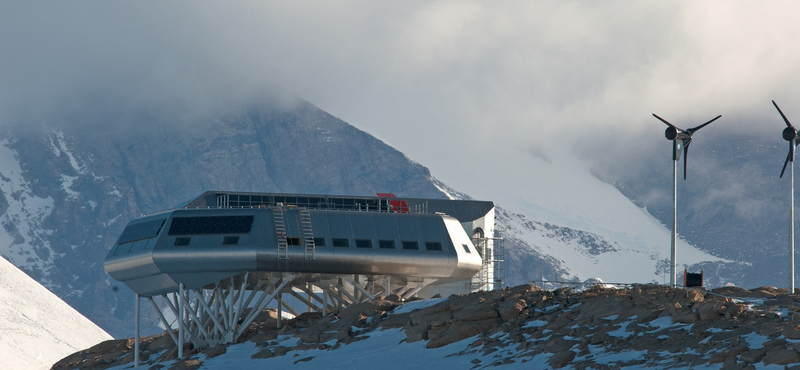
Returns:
(182, 242)
(386, 244)
(319, 242)
(466, 248)
(363, 243)
(293, 241)
(433, 246)
(411, 245)
(343, 243)
(230, 240)
(142, 230)
(211, 225)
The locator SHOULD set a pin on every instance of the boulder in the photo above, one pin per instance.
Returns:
(708, 311)
(510, 310)
(461, 330)
(425, 317)
(475, 313)
(725, 355)
(752, 356)
(781, 356)
(561, 359)
(417, 333)
(525, 288)
(216, 351)
(686, 317)
(733, 291)
(189, 364)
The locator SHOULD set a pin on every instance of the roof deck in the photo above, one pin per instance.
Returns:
(463, 210)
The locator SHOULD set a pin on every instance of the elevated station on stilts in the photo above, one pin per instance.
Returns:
(218, 261)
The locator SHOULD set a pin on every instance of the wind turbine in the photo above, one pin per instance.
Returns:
(680, 141)
(790, 135)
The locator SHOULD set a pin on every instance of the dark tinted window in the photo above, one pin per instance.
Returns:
(211, 225)
(386, 244)
(319, 242)
(142, 230)
(433, 246)
(363, 243)
(182, 242)
(410, 245)
(466, 248)
(344, 243)
(293, 241)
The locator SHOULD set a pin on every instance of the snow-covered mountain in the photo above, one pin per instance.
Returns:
(36, 327)
(70, 183)
(559, 218)
(69, 186)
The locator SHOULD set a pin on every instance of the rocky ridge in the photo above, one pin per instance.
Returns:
(600, 328)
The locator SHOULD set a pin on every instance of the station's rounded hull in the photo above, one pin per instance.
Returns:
(196, 247)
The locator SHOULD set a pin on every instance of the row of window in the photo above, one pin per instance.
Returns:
(382, 244)
(336, 242)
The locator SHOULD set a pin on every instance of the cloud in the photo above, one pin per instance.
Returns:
(451, 83)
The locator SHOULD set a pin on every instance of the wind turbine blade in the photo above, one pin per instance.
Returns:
(782, 115)
(692, 130)
(663, 120)
(685, 156)
(788, 156)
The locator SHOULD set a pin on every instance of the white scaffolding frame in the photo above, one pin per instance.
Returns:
(222, 312)
(492, 274)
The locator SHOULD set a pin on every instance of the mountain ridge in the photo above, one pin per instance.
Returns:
(69, 188)
(596, 326)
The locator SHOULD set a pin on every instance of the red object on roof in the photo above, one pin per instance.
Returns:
(399, 206)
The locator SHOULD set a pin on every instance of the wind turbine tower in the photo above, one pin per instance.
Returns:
(790, 135)
(680, 141)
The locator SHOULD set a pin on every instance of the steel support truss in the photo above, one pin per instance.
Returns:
(222, 312)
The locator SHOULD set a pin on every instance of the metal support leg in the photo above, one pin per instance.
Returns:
(164, 319)
(308, 287)
(673, 249)
(791, 231)
(136, 334)
(181, 324)
(420, 286)
(324, 301)
(279, 309)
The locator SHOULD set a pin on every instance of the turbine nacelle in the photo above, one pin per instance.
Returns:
(674, 133)
(790, 135)
(681, 139)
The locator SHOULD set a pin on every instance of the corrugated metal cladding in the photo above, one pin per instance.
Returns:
(211, 225)
(142, 230)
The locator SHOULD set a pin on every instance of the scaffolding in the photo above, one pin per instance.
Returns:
(493, 271)
(222, 312)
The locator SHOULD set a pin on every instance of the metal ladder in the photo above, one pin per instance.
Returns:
(308, 234)
(280, 231)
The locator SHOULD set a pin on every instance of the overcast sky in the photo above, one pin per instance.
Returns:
(459, 86)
